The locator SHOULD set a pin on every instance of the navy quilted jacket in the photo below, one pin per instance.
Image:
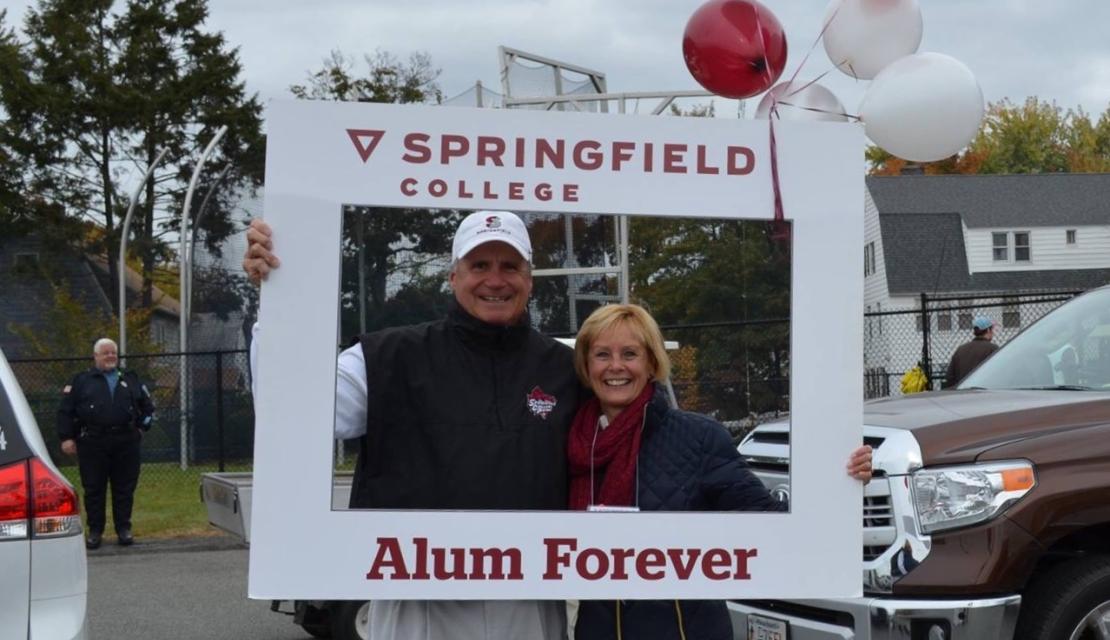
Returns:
(687, 463)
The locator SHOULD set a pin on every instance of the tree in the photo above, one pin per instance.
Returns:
(15, 213)
(387, 80)
(725, 273)
(1034, 137)
(393, 255)
(181, 84)
(105, 92)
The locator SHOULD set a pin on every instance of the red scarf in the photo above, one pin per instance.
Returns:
(614, 454)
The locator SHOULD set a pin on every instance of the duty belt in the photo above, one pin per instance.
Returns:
(114, 428)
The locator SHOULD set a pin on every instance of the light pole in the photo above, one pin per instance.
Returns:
(123, 255)
(184, 267)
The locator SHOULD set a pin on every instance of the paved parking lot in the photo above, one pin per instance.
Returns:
(178, 590)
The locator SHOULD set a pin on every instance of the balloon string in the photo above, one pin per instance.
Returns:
(763, 47)
(813, 46)
(781, 229)
(804, 86)
(816, 110)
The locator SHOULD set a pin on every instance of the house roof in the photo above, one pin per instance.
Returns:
(163, 302)
(924, 252)
(985, 201)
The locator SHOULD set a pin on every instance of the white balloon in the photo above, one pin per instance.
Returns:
(867, 35)
(923, 107)
(795, 100)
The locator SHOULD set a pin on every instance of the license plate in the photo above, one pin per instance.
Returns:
(763, 628)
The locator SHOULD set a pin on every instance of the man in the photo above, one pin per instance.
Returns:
(103, 415)
(468, 412)
(970, 354)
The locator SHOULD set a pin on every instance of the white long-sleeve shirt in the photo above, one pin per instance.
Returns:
(350, 388)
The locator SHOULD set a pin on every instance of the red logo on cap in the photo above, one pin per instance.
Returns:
(540, 403)
(493, 222)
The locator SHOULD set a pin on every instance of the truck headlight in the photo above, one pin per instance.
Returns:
(950, 497)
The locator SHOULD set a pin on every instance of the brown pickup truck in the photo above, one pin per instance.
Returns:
(989, 517)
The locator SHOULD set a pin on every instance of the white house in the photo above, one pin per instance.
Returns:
(994, 241)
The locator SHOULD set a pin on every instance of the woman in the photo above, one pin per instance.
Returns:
(629, 448)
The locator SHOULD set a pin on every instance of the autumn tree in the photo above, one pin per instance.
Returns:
(102, 92)
(1033, 137)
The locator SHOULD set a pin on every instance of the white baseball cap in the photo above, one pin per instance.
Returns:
(487, 226)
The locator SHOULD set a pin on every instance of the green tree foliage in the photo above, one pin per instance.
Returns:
(592, 243)
(101, 93)
(387, 79)
(16, 209)
(393, 267)
(729, 281)
(1033, 137)
(182, 84)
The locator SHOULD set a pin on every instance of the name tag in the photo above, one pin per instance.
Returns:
(612, 509)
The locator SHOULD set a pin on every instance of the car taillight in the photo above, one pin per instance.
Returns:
(54, 503)
(35, 501)
(15, 503)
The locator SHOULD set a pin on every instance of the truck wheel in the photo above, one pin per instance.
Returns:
(317, 629)
(313, 618)
(350, 620)
(1070, 602)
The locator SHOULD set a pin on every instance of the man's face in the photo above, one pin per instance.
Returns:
(493, 283)
(106, 357)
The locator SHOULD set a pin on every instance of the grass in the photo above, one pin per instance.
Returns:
(167, 501)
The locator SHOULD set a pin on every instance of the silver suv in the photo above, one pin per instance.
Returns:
(44, 580)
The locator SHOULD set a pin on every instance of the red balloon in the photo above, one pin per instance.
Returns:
(734, 48)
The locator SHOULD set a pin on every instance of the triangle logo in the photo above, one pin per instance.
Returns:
(365, 141)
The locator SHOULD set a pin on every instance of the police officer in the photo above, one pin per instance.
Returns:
(103, 415)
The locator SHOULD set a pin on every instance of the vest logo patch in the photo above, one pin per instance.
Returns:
(539, 403)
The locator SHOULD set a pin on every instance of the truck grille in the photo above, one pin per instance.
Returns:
(767, 453)
(879, 531)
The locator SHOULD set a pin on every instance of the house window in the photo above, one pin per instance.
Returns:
(1000, 243)
(1003, 242)
(1022, 251)
(1011, 317)
(879, 310)
(918, 321)
(944, 320)
(965, 321)
(869, 259)
(25, 260)
(1070, 236)
(869, 319)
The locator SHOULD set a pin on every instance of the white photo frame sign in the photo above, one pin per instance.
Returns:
(321, 156)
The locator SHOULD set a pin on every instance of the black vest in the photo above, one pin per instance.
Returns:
(465, 415)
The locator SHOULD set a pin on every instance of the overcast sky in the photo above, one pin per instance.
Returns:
(1054, 50)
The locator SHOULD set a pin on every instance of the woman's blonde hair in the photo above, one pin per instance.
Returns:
(638, 321)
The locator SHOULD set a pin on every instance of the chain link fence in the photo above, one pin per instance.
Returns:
(737, 372)
(214, 429)
(928, 334)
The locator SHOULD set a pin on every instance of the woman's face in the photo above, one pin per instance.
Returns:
(619, 366)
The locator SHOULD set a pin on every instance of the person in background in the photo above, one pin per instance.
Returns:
(970, 354)
(101, 420)
(630, 450)
(467, 412)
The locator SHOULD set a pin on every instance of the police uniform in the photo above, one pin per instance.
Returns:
(106, 422)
